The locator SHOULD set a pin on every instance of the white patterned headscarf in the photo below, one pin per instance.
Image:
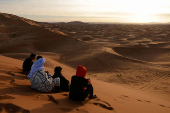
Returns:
(38, 65)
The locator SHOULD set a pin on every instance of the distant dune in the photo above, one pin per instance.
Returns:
(128, 65)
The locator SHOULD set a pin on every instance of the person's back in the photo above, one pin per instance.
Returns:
(77, 86)
(28, 63)
(80, 86)
(64, 83)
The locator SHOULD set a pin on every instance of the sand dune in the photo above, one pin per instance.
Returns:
(145, 54)
(128, 65)
(17, 95)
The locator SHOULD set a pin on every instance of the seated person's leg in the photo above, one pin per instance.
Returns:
(91, 93)
(56, 89)
(88, 91)
(64, 87)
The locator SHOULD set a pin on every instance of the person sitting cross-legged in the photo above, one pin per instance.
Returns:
(64, 83)
(42, 81)
(80, 87)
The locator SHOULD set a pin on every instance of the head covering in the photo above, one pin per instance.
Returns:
(81, 71)
(57, 69)
(38, 65)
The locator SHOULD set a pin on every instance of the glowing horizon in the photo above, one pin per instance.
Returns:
(125, 11)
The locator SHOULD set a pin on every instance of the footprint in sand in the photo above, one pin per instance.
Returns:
(51, 98)
(125, 96)
(12, 81)
(138, 100)
(105, 102)
(46, 98)
(6, 97)
(103, 106)
(42, 97)
(148, 101)
(107, 106)
(10, 73)
(143, 100)
(12, 108)
(121, 98)
(161, 105)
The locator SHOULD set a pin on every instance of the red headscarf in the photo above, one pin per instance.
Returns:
(81, 71)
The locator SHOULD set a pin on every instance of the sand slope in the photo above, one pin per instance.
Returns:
(17, 96)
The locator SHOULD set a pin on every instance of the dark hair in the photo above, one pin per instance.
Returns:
(57, 69)
(32, 55)
(38, 57)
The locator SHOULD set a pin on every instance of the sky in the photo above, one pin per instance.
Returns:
(122, 11)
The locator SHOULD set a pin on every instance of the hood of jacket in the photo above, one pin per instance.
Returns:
(81, 71)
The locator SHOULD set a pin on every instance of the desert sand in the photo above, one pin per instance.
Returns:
(128, 65)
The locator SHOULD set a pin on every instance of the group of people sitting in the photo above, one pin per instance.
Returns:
(79, 89)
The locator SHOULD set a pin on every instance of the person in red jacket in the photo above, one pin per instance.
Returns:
(80, 87)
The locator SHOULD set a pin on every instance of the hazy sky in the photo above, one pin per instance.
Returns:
(89, 10)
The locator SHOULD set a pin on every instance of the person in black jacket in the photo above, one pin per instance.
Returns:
(64, 83)
(80, 87)
(28, 63)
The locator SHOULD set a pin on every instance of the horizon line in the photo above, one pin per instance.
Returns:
(86, 22)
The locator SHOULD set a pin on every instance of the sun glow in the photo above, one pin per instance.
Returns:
(143, 12)
(142, 18)
(134, 11)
